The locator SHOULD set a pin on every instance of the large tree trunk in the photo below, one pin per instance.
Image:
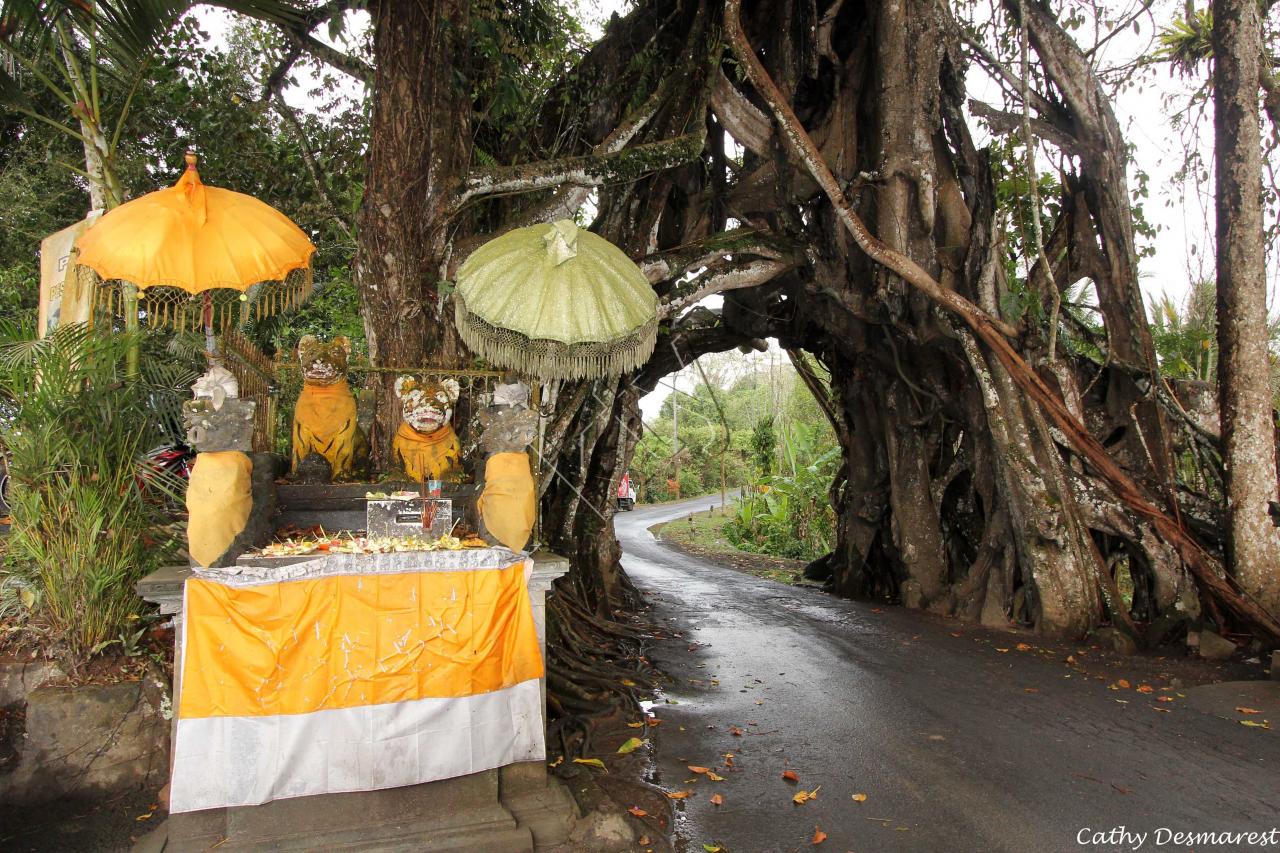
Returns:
(418, 153)
(1248, 433)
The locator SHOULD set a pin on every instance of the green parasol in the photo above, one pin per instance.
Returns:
(556, 302)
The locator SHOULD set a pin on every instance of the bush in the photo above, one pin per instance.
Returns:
(77, 431)
(790, 515)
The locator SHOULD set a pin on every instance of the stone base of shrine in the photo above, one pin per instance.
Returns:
(515, 809)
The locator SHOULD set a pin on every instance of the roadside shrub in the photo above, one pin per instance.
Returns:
(789, 514)
(77, 431)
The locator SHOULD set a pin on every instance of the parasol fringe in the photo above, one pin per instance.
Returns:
(555, 359)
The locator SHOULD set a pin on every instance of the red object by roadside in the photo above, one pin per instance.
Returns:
(626, 493)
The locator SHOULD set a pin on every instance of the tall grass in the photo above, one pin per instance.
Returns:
(77, 429)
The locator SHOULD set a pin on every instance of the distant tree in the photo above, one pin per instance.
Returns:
(1244, 364)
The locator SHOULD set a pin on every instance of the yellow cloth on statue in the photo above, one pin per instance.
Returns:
(324, 422)
(219, 497)
(427, 456)
(507, 504)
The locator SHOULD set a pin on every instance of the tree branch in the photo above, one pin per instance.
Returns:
(740, 117)
(1006, 122)
(569, 198)
(674, 263)
(589, 170)
(308, 158)
(735, 277)
(298, 30)
(989, 61)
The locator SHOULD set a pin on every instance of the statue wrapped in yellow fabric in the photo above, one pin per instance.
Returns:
(324, 420)
(508, 502)
(426, 446)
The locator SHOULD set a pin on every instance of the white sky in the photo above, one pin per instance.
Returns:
(1181, 214)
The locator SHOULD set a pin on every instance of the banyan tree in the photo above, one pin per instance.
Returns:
(1007, 453)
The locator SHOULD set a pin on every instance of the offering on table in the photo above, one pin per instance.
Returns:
(369, 545)
(401, 495)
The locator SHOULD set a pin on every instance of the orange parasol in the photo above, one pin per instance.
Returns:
(195, 238)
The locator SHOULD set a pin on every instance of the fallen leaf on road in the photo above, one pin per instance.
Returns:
(735, 731)
(679, 795)
(553, 765)
(1254, 724)
(637, 811)
(1030, 690)
(653, 721)
(1161, 710)
(1248, 711)
(818, 836)
(728, 759)
(1164, 698)
(1146, 688)
(628, 682)
(717, 800)
(591, 762)
(1002, 650)
(635, 725)
(803, 797)
(631, 744)
(790, 775)
(859, 798)
(1122, 684)
(877, 610)
(693, 768)
(644, 841)
(712, 848)
(714, 777)
(1023, 647)
(1071, 659)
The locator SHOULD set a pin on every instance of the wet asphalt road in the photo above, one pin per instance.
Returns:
(958, 747)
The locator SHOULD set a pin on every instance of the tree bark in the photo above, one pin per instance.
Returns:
(1248, 433)
(418, 153)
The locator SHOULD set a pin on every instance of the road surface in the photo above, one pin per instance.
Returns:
(960, 740)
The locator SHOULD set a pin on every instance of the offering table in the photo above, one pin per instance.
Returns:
(499, 808)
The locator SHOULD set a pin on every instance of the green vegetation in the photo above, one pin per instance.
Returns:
(780, 457)
(704, 534)
(88, 511)
(789, 514)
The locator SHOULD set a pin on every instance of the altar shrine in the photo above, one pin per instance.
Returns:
(359, 658)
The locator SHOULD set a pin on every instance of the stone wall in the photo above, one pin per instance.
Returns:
(81, 742)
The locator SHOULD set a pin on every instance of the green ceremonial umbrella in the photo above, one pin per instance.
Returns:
(556, 302)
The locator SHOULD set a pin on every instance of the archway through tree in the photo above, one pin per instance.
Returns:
(1008, 440)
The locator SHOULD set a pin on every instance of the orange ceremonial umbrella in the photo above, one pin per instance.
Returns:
(195, 238)
(192, 239)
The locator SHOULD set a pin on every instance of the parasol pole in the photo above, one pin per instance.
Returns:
(131, 355)
(206, 315)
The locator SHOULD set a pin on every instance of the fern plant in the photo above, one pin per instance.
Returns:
(77, 430)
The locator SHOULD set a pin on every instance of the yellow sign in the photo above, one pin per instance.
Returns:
(64, 296)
